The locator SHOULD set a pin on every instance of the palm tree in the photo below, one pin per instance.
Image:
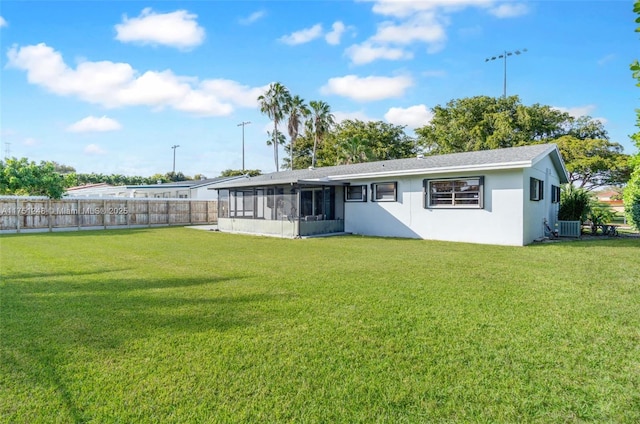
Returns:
(353, 150)
(273, 103)
(320, 122)
(296, 110)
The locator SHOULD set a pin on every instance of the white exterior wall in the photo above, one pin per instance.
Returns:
(202, 193)
(535, 212)
(499, 222)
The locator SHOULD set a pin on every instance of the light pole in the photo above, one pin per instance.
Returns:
(242, 124)
(504, 57)
(174, 147)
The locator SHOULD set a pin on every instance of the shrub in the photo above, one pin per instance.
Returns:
(574, 204)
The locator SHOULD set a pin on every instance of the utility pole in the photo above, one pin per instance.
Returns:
(7, 150)
(504, 57)
(174, 147)
(242, 124)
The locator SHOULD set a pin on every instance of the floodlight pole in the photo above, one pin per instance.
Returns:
(242, 124)
(504, 57)
(174, 147)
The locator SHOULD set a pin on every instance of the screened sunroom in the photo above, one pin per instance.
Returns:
(286, 210)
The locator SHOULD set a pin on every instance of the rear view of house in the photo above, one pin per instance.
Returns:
(503, 196)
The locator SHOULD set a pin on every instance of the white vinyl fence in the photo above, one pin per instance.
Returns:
(36, 214)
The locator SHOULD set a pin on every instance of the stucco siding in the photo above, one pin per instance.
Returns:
(499, 222)
(537, 211)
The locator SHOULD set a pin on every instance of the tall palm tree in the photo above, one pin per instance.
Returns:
(320, 122)
(273, 103)
(296, 111)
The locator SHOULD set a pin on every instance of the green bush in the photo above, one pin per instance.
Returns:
(632, 199)
(574, 203)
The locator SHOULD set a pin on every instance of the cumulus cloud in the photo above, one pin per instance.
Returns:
(413, 116)
(366, 52)
(254, 17)
(365, 89)
(94, 149)
(578, 111)
(509, 10)
(116, 85)
(419, 22)
(303, 36)
(423, 27)
(176, 29)
(93, 124)
(337, 30)
(356, 115)
(3, 23)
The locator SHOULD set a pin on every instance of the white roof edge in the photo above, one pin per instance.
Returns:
(559, 162)
(488, 167)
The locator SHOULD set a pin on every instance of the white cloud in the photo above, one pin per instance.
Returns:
(3, 23)
(413, 117)
(366, 52)
(118, 84)
(242, 95)
(367, 88)
(176, 29)
(302, 36)
(94, 149)
(405, 8)
(30, 141)
(606, 59)
(434, 73)
(93, 124)
(357, 115)
(417, 21)
(423, 27)
(509, 10)
(578, 111)
(337, 29)
(255, 16)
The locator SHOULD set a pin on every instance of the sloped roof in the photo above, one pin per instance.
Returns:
(508, 158)
(185, 184)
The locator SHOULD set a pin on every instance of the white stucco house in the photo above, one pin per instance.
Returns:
(504, 196)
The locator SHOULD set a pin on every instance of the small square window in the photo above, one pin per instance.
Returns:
(355, 193)
(384, 192)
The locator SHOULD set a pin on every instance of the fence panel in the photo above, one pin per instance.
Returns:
(41, 214)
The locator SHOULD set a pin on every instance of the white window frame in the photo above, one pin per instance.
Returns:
(479, 198)
(347, 192)
(374, 192)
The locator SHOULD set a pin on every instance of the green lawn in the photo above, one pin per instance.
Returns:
(179, 325)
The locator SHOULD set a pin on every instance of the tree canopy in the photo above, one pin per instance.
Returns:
(26, 178)
(632, 190)
(482, 123)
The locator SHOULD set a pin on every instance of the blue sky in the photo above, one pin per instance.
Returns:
(110, 86)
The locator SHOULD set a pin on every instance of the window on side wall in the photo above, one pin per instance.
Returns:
(555, 194)
(536, 189)
(455, 193)
(384, 192)
(355, 193)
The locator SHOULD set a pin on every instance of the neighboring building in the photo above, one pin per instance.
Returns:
(503, 196)
(192, 189)
(613, 198)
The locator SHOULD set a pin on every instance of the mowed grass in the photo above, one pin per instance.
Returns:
(178, 325)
